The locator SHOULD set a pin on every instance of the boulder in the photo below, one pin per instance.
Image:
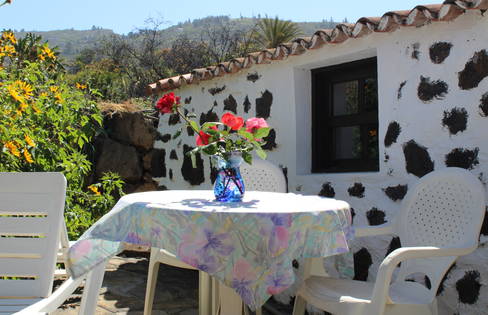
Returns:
(132, 128)
(119, 158)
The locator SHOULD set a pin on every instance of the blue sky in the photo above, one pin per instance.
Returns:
(126, 15)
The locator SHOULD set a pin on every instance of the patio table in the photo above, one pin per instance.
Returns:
(249, 245)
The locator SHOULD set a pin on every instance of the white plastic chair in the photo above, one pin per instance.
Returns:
(440, 220)
(31, 214)
(261, 176)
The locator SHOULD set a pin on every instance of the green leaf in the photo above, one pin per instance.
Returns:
(193, 160)
(261, 133)
(247, 157)
(249, 136)
(195, 126)
(260, 152)
(177, 134)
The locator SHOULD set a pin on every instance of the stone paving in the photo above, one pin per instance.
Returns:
(124, 287)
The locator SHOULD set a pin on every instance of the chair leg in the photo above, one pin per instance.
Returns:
(152, 280)
(259, 311)
(92, 287)
(299, 307)
(204, 293)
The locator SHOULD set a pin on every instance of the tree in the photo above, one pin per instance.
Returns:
(273, 32)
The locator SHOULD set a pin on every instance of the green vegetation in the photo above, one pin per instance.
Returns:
(47, 124)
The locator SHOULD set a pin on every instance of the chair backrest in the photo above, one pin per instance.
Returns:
(31, 212)
(444, 209)
(263, 176)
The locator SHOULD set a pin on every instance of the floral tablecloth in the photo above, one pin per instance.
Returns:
(249, 245)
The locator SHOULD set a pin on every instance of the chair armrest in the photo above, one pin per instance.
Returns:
(55, 300)
(385, 272)
(373, 230)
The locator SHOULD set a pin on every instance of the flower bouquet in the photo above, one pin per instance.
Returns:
(229, 141)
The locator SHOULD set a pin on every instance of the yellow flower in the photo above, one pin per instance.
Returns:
(59, 98)
(80, 86)
(37, 110)
(53, 89)
(10, 37)
(373, 133)
(14, 93)
(23, 106)
(43, 94)
(48, 52)
(94, 189)
(9, 50)
(29, 141)
(41, 56)
(12, 148)
(25, 87)
(28, 156)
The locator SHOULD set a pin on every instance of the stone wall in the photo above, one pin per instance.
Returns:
(127, 148)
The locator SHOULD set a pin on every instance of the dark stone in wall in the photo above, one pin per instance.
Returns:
(484, 105)
(209, 116)
(190, 131)
(375, 216)
(428, 90)
(353, 214)
(475, 70)
(463, 158)
(439, 51)
(170, 174)
(230, 104)
(327, 190)
(456, 120)
(396, 192)
(417, 159)
(192, 175)
(468, 287)
(174, 119)
(415, 51)
(394, 244)
(387, 158)
(392, 133)
(484, 226)
(263, 105)
(247, 105)
(173, 155)
(253, 77)
(188, 100)
(270, 141)
(285, 173)
(427, 282)
(158, 163)
(446, 276)
(362, 262)
(165, 138)
(216, 90)
(400, 88)
(357, 190)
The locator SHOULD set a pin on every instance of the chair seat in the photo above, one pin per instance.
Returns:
(167, 258)
(10, 306)
(342, 296)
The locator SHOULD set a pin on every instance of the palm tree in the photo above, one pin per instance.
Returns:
(273, 32)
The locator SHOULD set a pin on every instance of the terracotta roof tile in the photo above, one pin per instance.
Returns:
(388, 22)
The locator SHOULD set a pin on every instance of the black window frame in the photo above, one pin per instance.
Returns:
(323, 121)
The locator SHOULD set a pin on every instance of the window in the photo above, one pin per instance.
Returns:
(345, 118)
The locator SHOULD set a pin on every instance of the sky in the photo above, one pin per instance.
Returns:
(124, 16)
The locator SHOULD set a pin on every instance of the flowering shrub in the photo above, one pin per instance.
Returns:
(47, 125)
(231, 134)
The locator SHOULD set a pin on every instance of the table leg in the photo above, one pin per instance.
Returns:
(229, 302)
(205, 299)
(93, 284)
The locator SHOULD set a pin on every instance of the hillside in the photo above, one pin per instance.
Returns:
(71, 42)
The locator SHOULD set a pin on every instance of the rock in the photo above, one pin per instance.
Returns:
(146, 187)
(119, 158)
(132, 128)
(146, 160)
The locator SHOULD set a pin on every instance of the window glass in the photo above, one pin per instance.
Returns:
(370, 94)
(345, 98)
(347, 142)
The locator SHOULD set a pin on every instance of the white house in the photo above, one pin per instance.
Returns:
(359, 113)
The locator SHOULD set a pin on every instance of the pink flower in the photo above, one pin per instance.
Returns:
(255, 123)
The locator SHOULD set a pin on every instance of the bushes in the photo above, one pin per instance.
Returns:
(47, 124)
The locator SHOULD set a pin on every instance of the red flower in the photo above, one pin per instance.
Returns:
(166, 103)
(234, 122)
(202, 137)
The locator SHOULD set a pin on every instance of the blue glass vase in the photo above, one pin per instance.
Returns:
(229, 185)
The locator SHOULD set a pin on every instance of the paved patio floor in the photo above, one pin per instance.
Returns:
(124, 287)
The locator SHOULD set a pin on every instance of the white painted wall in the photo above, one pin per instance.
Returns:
(290, 83)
